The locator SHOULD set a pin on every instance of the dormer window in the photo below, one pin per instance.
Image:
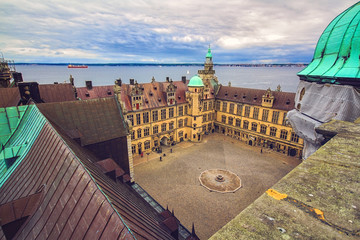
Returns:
(159, 99)
(226, 93)
(108, 92)
(288, 102)
(87, 94)
(150, 93)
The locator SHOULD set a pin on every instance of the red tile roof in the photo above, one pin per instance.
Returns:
(154, 94)
(10, 97)
(283, 100)
(95, 92)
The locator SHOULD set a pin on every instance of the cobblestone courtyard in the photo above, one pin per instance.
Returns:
(174, 181)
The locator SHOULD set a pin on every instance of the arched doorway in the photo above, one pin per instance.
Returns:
(292, 152)
(164, 141)
(139, 148)
(250, 142)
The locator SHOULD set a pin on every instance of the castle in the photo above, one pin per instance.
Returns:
(165, 113)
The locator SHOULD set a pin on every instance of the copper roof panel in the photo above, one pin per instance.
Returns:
(96, 120)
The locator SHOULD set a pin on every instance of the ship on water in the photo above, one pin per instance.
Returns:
(77, 66)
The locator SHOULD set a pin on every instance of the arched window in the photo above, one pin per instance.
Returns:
(139, 133)
(283, 134)
(181, 123)
(254, 126)
(273, 131)
(246, 124)
(147, 145)
(263, 128)
(302, 93)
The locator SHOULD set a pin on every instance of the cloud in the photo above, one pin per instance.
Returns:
(154, 30)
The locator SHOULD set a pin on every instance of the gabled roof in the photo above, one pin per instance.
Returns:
(283, 100)
(336, 57)
(92, 121)
(78, 200)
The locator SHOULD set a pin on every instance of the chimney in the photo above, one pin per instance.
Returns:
(167, 79)
(17, 77)
(118, 82)
(71, 80)
(29, 90)
(131, 81)
(88, 84)
(183, 79)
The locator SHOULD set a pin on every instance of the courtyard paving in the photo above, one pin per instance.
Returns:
(174, 181)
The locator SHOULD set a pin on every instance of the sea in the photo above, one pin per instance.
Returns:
(237, 76)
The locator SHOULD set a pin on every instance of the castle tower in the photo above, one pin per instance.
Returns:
(194, 96)
(208, 74)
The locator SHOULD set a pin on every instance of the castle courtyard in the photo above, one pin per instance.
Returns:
(174, 181)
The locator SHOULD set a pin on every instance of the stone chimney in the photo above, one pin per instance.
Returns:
(131, 81)
(88, 85)
(183, 79)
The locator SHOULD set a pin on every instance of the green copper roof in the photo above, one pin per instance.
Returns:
(196, 81)
(336, 57)
(9, 120)
(28, 126)
(209, 55)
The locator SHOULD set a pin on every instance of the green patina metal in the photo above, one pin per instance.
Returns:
(24, 125)
(336, 58)
(9, 120)
(196, 81)
(209, 55)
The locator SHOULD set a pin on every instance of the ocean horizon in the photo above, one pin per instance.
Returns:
(261, 76)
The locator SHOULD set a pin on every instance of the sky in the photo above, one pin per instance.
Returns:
(159, 31)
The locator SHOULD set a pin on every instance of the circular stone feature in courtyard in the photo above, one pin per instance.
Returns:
(220, 180)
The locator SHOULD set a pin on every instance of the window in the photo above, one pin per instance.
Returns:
(181, 133)
(256, 113)
(163, 114)
(283, 134)
(146, 132)
(284, 120)
(217, 106)
(133, 149)
(139, 133)
(273, 131)
(223, 119)
(132, 135)
(231, 121)
(171, 125)
(181, 111)
(145, 117)
(254, 127)
(238, 122)
(171, 112)
(302, 93)
(186, 109)
(181, 123)
(263, 129)
(231, 108)
(210, 105)
(139, 147)
(275, 117)
(239, 109)
(155, 129)
(209, 126)
(205, 106)
(204, 128)
(147, 145)
(265, 115)
(155, 116)
(246, 125)
(294, 137)
(138, 119)
(247, 111)
(224, 106)
(185, 122)
(209, 117)
(163, 127)
(131, 119)
(204, 118)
